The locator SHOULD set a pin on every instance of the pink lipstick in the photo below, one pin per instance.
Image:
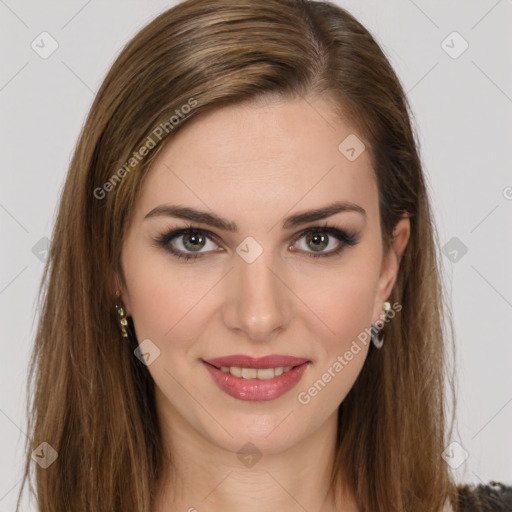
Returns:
(256, 379)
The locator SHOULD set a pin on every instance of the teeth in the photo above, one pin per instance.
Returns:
(255, 373)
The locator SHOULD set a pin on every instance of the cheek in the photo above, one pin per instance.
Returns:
(342, 298)
(351, 307)
(167, 301)
(344, 302)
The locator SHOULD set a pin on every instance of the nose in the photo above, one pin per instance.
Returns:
(258, 303)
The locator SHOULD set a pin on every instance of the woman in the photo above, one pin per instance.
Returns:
(242, 307)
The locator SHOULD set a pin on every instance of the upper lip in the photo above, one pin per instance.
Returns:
(243, 361)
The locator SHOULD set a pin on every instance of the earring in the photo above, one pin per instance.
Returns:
(121, 316)
(378, 342)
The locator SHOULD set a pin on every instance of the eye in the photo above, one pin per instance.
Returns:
(188, 243)
(318, 239)
(180, 241)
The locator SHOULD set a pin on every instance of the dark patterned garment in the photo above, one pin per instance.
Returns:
(495, 497)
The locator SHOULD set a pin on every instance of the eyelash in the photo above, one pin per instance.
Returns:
(344, 237)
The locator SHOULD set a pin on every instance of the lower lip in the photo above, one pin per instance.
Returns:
(256, 390)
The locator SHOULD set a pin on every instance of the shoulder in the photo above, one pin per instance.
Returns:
(494, 497)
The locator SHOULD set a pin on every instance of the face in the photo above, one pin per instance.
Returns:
(264, 276)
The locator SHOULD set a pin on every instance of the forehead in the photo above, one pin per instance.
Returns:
(260, 154)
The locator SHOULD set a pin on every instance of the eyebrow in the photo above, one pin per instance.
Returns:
(183, 212)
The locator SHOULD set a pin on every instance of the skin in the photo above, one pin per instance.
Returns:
(255, 164)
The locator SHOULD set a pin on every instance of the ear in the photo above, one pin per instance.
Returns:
(391, 264)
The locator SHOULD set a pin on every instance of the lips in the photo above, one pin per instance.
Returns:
(262, 388)
(243, 361)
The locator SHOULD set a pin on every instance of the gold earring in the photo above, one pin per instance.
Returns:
(123, 322)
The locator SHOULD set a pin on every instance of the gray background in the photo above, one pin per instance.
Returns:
(463, 115)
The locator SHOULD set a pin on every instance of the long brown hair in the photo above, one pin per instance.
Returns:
(91, 399)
